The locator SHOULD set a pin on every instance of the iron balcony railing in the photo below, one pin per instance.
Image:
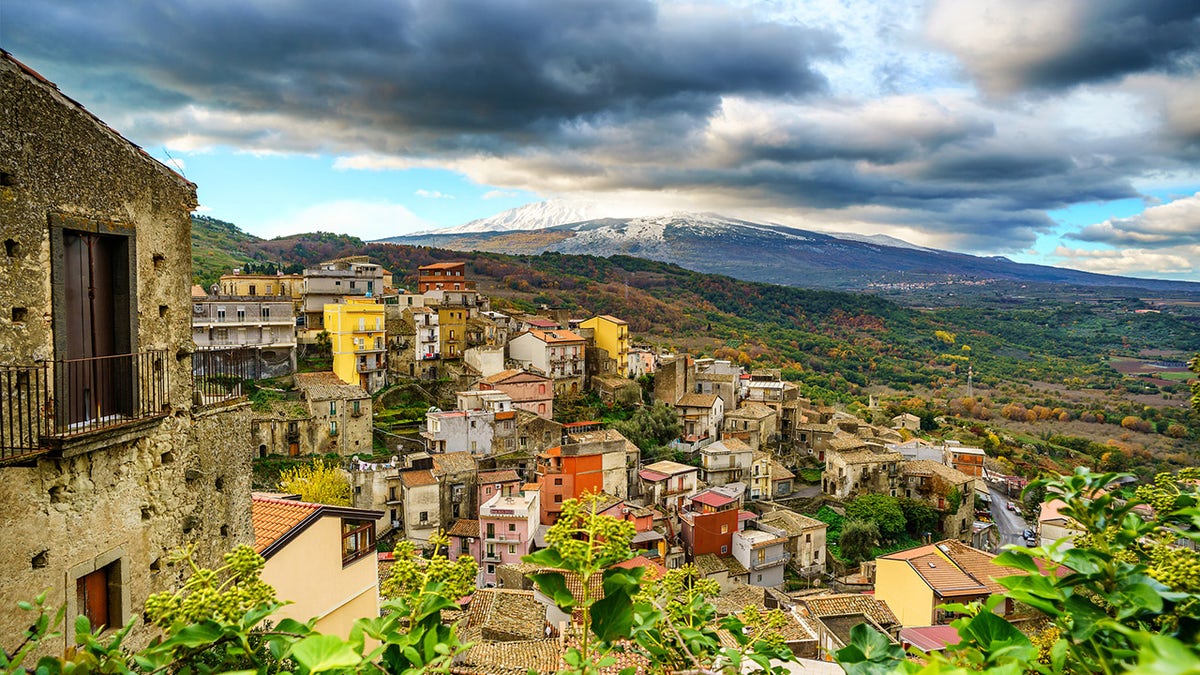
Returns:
(220, 375)
(66, 398)
(770, 561)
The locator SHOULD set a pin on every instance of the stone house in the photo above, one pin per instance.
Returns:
(456, 473)
(421, 499)
(907, 421)
(805, 535)
(414, 341)
(720, 377)
(484, 360)
(861, 470)
(753, 424)
(460, 431)
(781, 479)
(529, 391)
(813, 438)
(464, 540)
(340, 413)
(373, 487)
(940, 486)
(108, 460)
(284, 428)
(726, 461)
(336, 544)
(763, 553)
(700, 415)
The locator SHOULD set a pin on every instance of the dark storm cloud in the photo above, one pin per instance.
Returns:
(476, 67)
(1021, 44)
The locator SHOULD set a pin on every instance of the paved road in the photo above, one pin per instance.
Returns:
(1010, 525)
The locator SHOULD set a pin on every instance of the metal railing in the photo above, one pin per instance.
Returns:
(67, 398)
(219, 375)
(770, 561)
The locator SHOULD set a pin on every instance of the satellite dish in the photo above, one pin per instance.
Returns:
(433, 409)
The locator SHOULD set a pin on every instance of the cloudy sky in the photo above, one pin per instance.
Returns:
(1064, 132)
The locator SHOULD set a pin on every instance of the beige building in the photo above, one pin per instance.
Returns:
(752, 424)
(321, 559)
(806, 539)
(726, 461)
(557, 354)
(107, 460)
(256, 335)
(861, 470)
(288, 287)
(421, 499)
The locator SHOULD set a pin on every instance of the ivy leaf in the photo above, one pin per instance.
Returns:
(319, 653)
(195, 635)
(993, 633)
(612, 617)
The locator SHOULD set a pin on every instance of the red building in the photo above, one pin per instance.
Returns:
(450, 276)
(564, 477)
(709, 523)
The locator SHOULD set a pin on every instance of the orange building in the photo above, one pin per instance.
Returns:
(564, 477)
(449, 276)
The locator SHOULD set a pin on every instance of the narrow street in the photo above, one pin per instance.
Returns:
(1010, 525)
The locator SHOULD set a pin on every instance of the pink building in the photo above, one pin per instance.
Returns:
(464, 539)
(506, 526)
(528, 391)
(503, 481)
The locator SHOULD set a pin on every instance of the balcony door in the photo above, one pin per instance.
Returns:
(95, 321)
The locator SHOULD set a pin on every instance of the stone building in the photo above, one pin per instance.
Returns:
(107, 461)
(340, 413)
(946, 489)
(254, 337)
(861, 470)
(754, 424)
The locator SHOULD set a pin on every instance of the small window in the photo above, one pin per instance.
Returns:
(423, 517)
(491, 569)
(558, 499)
(333, 428)
(358, 540)
(558, 481)
(724, 549)
(333, 407)
(724, 529)
(266, 312)
(512, 527)
(512, 548)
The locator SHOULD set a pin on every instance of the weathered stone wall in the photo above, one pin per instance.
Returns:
(127, 495)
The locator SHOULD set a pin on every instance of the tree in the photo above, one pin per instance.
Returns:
(858, 539)
(319, 482)
(919, 517)
(650, 427)
(883, 510)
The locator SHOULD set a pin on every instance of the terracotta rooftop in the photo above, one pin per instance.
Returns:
(752, 410)
(417, 478)
(326, 385)
(464, 527)
(849, 603)
(504, 375)
(500, 476)
(453, 462)
(714, 499)
(653, 569)
(506, 615)
(780, 472)
(930, 638)
(272, 518)
(846, 442)
(441, 266)
(931, 468)
(697, 401)
(952, 569)
(737, 598)
(556, 336)
(791, 522)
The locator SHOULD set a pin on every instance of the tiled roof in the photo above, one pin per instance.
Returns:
(653, 569)
(508, 658)
(792, 631)
(272, 518)
(595, 583)
(952, 569)
(417, 478)
(325, 386)
(464, 527)
(697, 400)
(610, 317)
(729, 444)
(708, 564)
(846, 442)
(738, 597)
(780, 472)
(711, 498)
(930, 467)
(505, 375)
(870, 457)
(514, 614)
(752, 410)
(930, 638)
(791, 522)
(652, 476)
(555, 336)
(669, 468)
(731, 564)
(597, 436)
(977, 563)
(500, 476)
(849, 603)
(453, 462)
(441, 266)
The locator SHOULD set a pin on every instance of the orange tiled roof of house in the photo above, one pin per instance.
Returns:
(556, 336)
(499, 476)
(464, 527)
(417, 478)
(272, 518)
(850, 603)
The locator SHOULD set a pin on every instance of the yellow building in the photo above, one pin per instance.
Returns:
(914, 582)
(320, 558)
(453, 322)
(611, 335)
(358, 341)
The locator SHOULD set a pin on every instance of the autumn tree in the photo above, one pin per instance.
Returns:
(320, 482)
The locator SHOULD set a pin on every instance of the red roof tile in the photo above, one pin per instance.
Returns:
(272, 518)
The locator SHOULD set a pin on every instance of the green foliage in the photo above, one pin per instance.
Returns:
(320, 482)
(651, 426)
(883, 510)
(953, 500)
(1130, 601)
(857, 540)
(919, 518)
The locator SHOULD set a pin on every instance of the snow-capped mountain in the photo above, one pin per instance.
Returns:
(536, 216)
(717, 244)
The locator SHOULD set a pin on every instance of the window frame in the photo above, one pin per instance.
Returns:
(360, 550)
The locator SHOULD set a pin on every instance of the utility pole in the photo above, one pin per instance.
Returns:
(970, 376)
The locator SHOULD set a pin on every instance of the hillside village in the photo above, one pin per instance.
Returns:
(128, 430)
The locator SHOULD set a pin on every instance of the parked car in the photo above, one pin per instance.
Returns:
(1009, 506)
(1029, 534)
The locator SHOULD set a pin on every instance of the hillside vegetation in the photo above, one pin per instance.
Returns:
(1044, 353)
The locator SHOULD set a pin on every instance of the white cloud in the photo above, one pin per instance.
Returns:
(365, 220)
(499, 194)
(1172, 224)
(1130, 261)
(432, 194)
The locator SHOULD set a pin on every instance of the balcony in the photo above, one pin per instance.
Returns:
(492, 555)
(770, 561)
(64, 399)
(370, 366)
